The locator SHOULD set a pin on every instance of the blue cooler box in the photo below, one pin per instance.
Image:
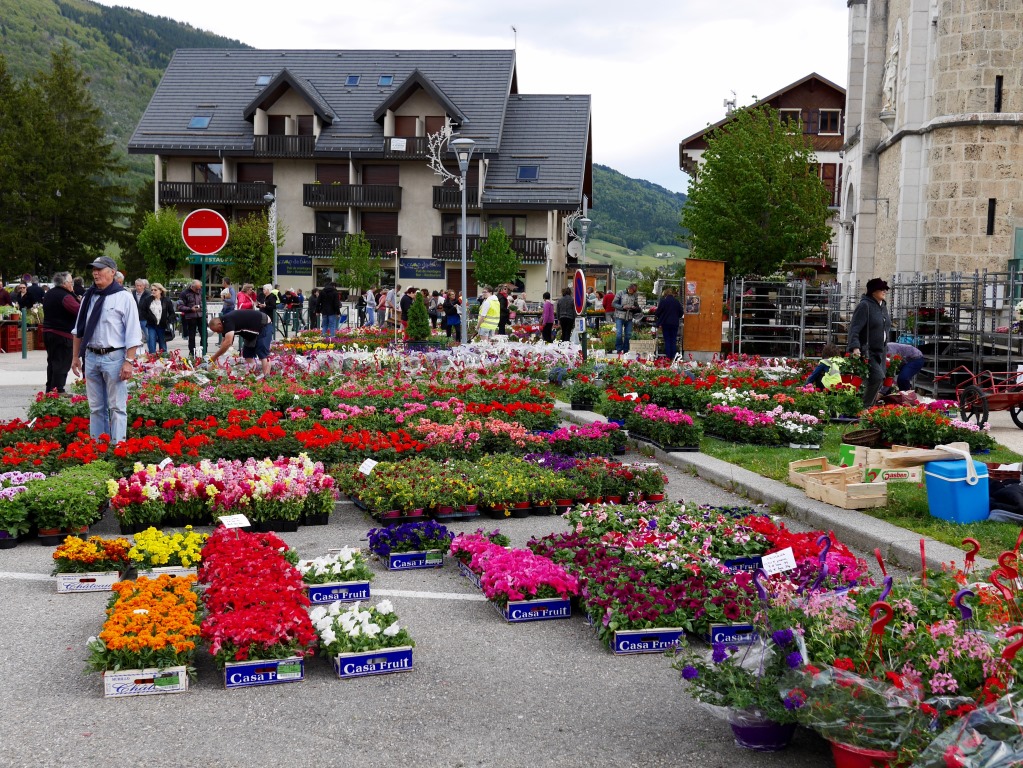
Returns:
(951, 497)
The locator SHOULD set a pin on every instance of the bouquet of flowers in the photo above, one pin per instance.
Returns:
(353, 629)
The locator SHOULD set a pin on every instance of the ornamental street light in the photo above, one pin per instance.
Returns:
(584, 232)
(270, 199)
(462, 147)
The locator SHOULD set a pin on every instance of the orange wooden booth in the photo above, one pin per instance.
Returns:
(702, 297)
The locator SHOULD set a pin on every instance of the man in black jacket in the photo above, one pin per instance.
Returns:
(256, 329)
(505, 316)
(868, 334)
(60, 310)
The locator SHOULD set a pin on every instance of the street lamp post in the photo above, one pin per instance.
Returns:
(584, 232)
(270, 199)
(462, 147)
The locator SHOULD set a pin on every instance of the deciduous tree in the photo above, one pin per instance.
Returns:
(160, 245)
(496, 261)
(352, 263)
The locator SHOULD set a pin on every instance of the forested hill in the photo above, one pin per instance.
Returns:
(633, 212)
(124, 53)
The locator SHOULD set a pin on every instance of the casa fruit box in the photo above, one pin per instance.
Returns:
(407, 561)
(100, 581)
(145, 682)
(338, 591)
(243, 674)
(535, 610)
(629, 641)
(732, 634)
(380, 662)
(472, 576)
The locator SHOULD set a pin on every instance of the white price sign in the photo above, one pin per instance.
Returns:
(777, 562)
(367, 466)
(235, 521)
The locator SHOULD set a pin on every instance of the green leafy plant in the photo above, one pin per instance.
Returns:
(418, 328)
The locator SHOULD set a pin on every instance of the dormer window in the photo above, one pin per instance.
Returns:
(386, 80)
(352, 80)
(199, 122)
(528, 173)
(262, 80)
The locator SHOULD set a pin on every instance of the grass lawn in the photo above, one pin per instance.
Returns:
(907, 502)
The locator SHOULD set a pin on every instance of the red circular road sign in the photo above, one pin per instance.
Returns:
(204, 231)
(579, 291)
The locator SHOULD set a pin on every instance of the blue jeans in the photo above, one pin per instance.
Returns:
(330, 325)
(909, 369)
(155, 336)
(371, 316)
(623, 333)
(670, 333)
(108, 395)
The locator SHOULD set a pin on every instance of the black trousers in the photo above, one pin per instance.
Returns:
(547, 332)
(58, 361)
(189, 328)
(566, 327)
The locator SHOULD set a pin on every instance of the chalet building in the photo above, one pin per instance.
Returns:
(340, 141)
(934, 138)
(817, 106)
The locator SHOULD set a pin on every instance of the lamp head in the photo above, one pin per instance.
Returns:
(584, 227)
(462, 147)
(269, 198)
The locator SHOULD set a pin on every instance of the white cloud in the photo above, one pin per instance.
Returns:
(658, 71)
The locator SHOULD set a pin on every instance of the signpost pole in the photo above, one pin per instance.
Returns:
(202, 316)
(579, 297)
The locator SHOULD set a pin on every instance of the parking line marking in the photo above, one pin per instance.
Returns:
(24, 576)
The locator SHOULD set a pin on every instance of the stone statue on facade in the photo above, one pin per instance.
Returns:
(891, 73)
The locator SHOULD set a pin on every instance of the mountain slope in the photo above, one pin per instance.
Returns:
(633, 212)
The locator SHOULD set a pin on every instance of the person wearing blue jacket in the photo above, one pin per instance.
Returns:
(868, 335)
(668, 316)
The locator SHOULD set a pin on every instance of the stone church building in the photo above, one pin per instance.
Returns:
(933, 154)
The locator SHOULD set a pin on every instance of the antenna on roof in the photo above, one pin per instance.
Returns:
(515, 32)
(730, 105)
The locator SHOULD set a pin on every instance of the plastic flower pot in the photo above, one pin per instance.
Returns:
(521, 509)
(497, 512)
(848, 756)
(390, 514)
(594, 499)
(654, 497)
(51, 537)
(7, 541)
(613, 499)
(760, 735)
(417, 512)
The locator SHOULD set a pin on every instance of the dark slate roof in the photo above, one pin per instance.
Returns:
(222, 83)
(549, 131)
(418, 80)
(276, 88)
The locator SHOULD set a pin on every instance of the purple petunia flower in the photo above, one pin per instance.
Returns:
(794, 659)
(794, 700)
(782, 636)
(720, 653)
(690, 673)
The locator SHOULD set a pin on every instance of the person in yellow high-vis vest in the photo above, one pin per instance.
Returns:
(489, 314)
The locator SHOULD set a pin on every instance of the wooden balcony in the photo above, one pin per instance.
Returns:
(415, 148)
(283, 146)
(371, 196)
(204, 193)
(323, 245)
(531, 250)
(450, 198)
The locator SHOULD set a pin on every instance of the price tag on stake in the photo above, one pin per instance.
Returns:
(235, 521)
(367, 466)
(163, 464)
(777, 562)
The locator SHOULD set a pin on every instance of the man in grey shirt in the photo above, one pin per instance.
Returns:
(107, 333)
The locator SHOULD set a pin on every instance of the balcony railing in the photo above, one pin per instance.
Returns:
(407, 147)
(450, 198)
(355, 195)
(323, 245)
(205, 193)
(531, 250)
(283, 146)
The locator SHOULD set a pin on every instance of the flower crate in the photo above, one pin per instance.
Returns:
(732, 634)
(799, 470)
(338, 591)
(516, 611)
(842, 488)
(470, 574)
(145, 682)
(379, 662)
(99, 581)
(168, 570)
(627, 642)
(245, 674)
(407, 561)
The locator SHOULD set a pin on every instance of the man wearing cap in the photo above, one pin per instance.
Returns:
(868, 334)
(108, 334)
(257, 332)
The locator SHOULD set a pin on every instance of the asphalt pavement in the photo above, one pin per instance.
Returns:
(482, 692)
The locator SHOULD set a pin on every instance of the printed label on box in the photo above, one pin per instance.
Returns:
(473, 577)
(145, 682)
(646, 640)
(242, 674)
(732, 634)
(535, 610)
(404, 561)
(87, 582)
(744, 564)
(380, 662)
(169, 570)
(345, 591)
(899, 475)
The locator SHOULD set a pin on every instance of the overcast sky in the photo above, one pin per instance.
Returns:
(658, 70)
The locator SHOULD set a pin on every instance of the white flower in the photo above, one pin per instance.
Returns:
(392, 630)
(371, 629)
(384, 607)
(317, 613)
(328, 636)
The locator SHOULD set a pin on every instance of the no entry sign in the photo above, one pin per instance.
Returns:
(204, 231)
(579, 292)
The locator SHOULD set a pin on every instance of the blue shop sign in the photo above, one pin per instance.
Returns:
(420, 269)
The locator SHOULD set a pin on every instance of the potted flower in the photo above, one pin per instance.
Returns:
(341, 575)
(178, 553)
(90, 565)
(411, 545)
(69, 501)
(363, 640)
(801, 430)
(14, 518)
(527, 587)
(583, 393)
(650, 481)
(616, 408)
(669, 429)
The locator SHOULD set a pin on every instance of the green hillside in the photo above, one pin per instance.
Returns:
(124, 53)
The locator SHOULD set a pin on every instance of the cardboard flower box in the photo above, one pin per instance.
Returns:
(631, 641)
(100, 581)
(245, 674)
(472, 576)
(407, 561)
(168, 570)
(517, 611)
(379, 662)
(338, 591)
(732, 634)
(145, 682)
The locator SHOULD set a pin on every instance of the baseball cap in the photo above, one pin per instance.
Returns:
(104, 262)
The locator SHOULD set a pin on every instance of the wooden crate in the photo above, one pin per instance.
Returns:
(798, 470)
(843, 488)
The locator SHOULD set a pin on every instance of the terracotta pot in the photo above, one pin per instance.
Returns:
(654, 497)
